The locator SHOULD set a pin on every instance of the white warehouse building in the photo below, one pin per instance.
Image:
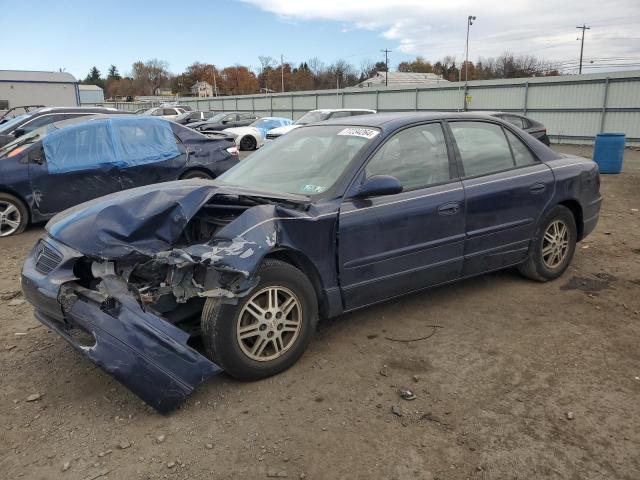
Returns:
(51, 89)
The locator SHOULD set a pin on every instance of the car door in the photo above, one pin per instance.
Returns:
(149, 150)
(73, 165)
(393, 244)
(506, 190)
(245, 119)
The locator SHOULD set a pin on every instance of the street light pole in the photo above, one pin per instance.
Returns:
(282, 70)
(470, 20)
(583, 28)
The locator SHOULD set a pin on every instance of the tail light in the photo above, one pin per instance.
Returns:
(233, 151)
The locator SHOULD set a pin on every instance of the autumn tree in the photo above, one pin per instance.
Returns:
(149, 76)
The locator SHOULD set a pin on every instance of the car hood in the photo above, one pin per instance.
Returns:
(144, 220)
(283, 130)
(239, 131)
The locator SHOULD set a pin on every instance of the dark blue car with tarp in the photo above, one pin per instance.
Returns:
(67, 163)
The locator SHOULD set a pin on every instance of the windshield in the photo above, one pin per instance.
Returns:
(306, 161)
(8, 126)
(311, 117)
(216, 118)
(19, 144)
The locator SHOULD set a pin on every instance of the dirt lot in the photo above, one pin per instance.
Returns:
(523, 380)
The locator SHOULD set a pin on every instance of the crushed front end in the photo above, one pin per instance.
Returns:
(142, 350)
(124, 278)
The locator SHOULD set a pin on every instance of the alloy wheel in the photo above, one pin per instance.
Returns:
(555, 244)
(10, 218)
(269, 323)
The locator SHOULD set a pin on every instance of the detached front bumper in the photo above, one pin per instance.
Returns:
(146, 353)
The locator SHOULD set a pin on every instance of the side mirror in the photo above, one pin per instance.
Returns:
(379, 185)
(18, 132)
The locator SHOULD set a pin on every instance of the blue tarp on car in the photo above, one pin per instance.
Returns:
(124, 142)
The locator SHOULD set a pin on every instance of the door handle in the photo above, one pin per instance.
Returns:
(537, 188)
(450, 208)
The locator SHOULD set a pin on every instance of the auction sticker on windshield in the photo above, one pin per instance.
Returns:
(360, 132)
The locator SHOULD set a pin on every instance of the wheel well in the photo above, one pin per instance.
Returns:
(576, 209)
(302, 263)
(197, 169)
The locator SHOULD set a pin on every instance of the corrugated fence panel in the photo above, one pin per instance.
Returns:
(304, 102)
(569, 123)
(581, 95)
(449, 99)
(329, 101)
(360, 100)
(245, 104)
(624, 94)
(263, 103)
(397, 100)
(623, 122)
(506, 98)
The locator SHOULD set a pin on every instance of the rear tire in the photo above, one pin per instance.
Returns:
(553, 246)
(196, 174)
(14, 216)
(248, 143)
(266, 332)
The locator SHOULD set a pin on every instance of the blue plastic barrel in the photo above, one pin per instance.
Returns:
(608, 152)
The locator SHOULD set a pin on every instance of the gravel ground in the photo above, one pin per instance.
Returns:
(523, 380)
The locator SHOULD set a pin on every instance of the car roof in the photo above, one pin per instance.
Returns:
(394, 119)
(331, 110)
(74, 109)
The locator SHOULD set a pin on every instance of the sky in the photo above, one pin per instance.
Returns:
(75, 35)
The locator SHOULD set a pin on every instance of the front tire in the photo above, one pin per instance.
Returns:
(553, 246)
(268, 330)
(14, 215)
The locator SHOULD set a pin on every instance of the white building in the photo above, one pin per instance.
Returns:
(202, 89)
(91, 94)
(396, 79)
(51, 89)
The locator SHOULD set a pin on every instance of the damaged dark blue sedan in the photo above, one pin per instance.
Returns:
(69, 162)
(331, 218)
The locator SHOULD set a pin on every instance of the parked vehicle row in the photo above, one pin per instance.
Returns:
(68, 162)
(331, 217)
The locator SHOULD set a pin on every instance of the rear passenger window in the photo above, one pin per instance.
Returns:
(340, 114)
(416, 156)
(483, 147)
(521, 153)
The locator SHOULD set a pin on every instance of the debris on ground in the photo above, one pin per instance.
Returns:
(397, 411)
(33, 397)
(160, 438)
(569, 415)
(408, 340)
(66, 466)
(124, 444)
(274, 474)
(406, 393)
(384, 371)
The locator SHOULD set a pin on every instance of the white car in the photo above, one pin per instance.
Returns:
(170, 113)
(252, 136)
(314, 116)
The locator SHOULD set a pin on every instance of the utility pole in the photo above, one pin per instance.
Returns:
(282, 70)
(583, 28)
(386, 63)
(470, 20)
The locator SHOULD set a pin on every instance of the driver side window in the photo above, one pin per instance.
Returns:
(417, 156)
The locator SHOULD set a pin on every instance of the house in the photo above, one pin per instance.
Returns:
(396, 79)
(51, 89)
(202, 89)
(91, 94)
